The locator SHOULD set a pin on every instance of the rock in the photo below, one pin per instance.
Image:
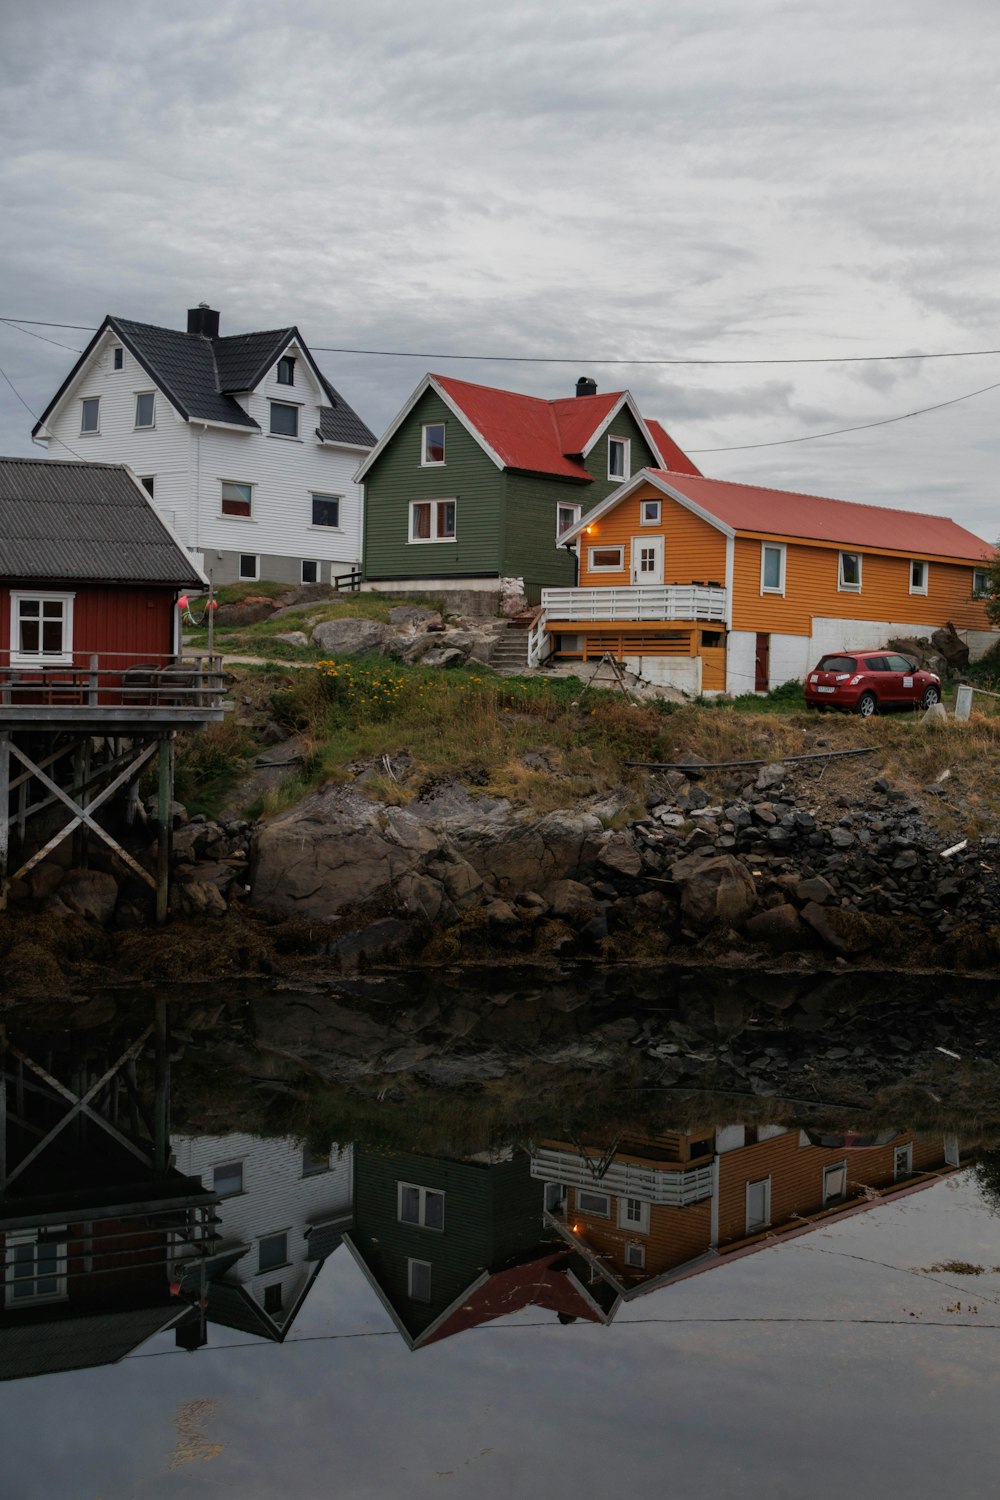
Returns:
(248, 611)
(443, 656)
(414, 615)
(950, 645)
(816, 918)
(621, 855)
(355, 636)
(100, 1010)
(45, 878)
(293, 638)
(841, 838)
(814, 888)
(935, 717)
(716, 889)
(421, 896)
(781, 928)
(500, 913)
(90, 893)
(200, 898)
(378, 940)
(769, 776)
(570, 898)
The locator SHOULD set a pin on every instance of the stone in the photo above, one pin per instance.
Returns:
(716, 889)
(45, 878)
(620, 855)
(293, 638)
(769, 776)
(354, 636)
(200, 898)
(415, 615)
(841, 838)
(378, 940)
(780, 928)
(814, 888)
(500, 913)
(935, 717)
(420, 896)
(248, 611)
(443, 656)
(570, 898)
(949, 644)
(90, 893)
(814, 915)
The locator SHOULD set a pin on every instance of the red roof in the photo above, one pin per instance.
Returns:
(543, 437)
(675, 458)
(535, 1284)
(750, 507)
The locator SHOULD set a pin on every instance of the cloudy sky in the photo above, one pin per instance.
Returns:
(556, 179)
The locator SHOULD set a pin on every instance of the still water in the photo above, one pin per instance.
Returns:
(730, 1239)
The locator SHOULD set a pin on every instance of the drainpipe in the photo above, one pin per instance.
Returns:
(572, 547)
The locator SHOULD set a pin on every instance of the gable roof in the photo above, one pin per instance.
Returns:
(528, 433)
(84, 522)
(674, 458)
(548, 1282)
(750, 508)
(202, 376)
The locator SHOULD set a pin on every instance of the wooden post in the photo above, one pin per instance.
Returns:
(161, 1111)
(3, 1111)
(165, 817)
(4, 815)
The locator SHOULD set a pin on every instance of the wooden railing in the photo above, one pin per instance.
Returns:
(113, 680)
(641, 602)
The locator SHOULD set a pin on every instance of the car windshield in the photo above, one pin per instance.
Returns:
(837, 664)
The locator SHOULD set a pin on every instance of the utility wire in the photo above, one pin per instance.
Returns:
(28, 409)
(9, 323)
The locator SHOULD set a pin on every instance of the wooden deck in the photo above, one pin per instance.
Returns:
(113, 694)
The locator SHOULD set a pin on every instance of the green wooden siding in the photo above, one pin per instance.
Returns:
(468, 476)
(530, 548)
(596, 462)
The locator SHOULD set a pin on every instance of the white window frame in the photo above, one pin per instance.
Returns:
(240, 484)
(19, 658)
(626, 447)
(230, 1165)
(635, 1256)
(657, 512)
(420, 1221)
(144, 426)
(593, 567)
(918, 562)
(635, 1226)
(425, 1265)
(242, 577)
(433, 463)
(285, 437)
(575, 511)
(148, 482)
(313, 562)
(952, 1151)
(275, 1234)
(984, 589)
(116, 363)
(30, 1237)
(595, 1213)
(324, 495)
(782, 551)
(849, 588)
(288, 359)
(434, 539)
(906, 1152)
(90, 431)
(314, 1166)
(828, 1197)
(765, 1223)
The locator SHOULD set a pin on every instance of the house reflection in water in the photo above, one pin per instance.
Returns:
(450, 1244)
(647, 1211)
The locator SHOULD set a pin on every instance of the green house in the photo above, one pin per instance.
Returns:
(471, 485)
(448, 1245)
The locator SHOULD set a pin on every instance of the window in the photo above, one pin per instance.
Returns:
(249, 567)
(36, 1266)
(41, 629)
(952, 1154)
(555, 1198)
(118, 358)
(310, 571)
(284, 420)
(272, 1251)
(593, 1203)
(649, 512)
(432, 521)
(272, 1298)
(902, 1162)
(566, 517)
(607, 559)
(918, 577)
(432, 443)
(772, 568)
(326, 510)
(635, 1257)
(237, 499)
(618, 457)
(849, 580)
(900, 664)
(148, 482)
(286, 370)
(835, 1183)
(90, 414)
(145, 409)
(633, 1214)
(227, 1180)
(758, 1205)
(418, 1280)
(313, 1164)
(420, 1205)
(982, 583)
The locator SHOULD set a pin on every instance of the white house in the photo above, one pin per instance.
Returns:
(282, 1213)
(246, 448)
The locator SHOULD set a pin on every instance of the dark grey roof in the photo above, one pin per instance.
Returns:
(73, 1343)
(324, 1238)
(233, 1307)
(203, 376)
(83, 522)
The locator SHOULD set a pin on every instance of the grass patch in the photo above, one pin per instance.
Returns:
(210, 763)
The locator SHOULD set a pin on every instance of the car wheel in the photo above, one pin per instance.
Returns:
(866, 706)
(931, 696)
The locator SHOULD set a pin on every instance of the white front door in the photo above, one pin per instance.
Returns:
(647, 559)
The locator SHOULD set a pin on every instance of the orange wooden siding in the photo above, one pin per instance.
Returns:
(676, 1235)
(811, 574)
(692, 549)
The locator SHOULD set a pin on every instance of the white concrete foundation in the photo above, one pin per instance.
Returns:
(681, 672)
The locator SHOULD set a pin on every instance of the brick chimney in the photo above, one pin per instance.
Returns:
(203, 320)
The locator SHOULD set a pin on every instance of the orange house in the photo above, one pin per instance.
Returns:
(663, 1208)
(712, 586)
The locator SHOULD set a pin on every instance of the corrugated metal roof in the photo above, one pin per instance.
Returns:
(76, 1343)
(83, 522)
(675, 458)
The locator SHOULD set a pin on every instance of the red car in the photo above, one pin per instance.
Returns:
(863, 682)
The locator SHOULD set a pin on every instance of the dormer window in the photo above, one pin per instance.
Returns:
(286, 370)
(284, 420)
(118, 357)
(432, 447)
(618, 457)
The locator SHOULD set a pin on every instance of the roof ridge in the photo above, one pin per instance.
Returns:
(69, 463)
(772, 489)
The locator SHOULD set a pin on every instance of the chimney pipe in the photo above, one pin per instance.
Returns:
(586, 387)
(204, 321)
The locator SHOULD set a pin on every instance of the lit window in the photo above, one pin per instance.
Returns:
(758, 1205)
(286, 370)
(227, 1180)
(649, 512)
(918, 577)
(36, 1266)
(420, 1205)
(272, 1251)
(249, 567)
(118, 357)
(148, 482)
(607, 559)
(310, 571)
(284, 419)
(90, 414)
(618, 457)
(145, 409)
(849, 580)
(432, 445)
(41, 629)
(326, 510)
(419, 1280)
(598, 1204)
(835, 1183)
(772, 569)
(432, 521)
(566, 517)
(236, 498)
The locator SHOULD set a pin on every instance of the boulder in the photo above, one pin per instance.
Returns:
(416, 616)
(716, 888)
(781, 928)
(293, 638)
(90, 893)
(769, 776)
(570, 898)
(355, 636)
(249, 611)
(949, 643)
(620, 855)
(443, 656)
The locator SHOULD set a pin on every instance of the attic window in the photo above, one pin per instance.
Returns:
(284, 420)
(432, 446)
(90, 414)
(286, 370)
(118, 357)
(618, 457)
(145, 409)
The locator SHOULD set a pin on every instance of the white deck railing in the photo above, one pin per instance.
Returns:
(665, 601)
(651, 1183)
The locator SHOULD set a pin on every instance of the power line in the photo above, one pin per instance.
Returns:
(28, 409)
(8, 323)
